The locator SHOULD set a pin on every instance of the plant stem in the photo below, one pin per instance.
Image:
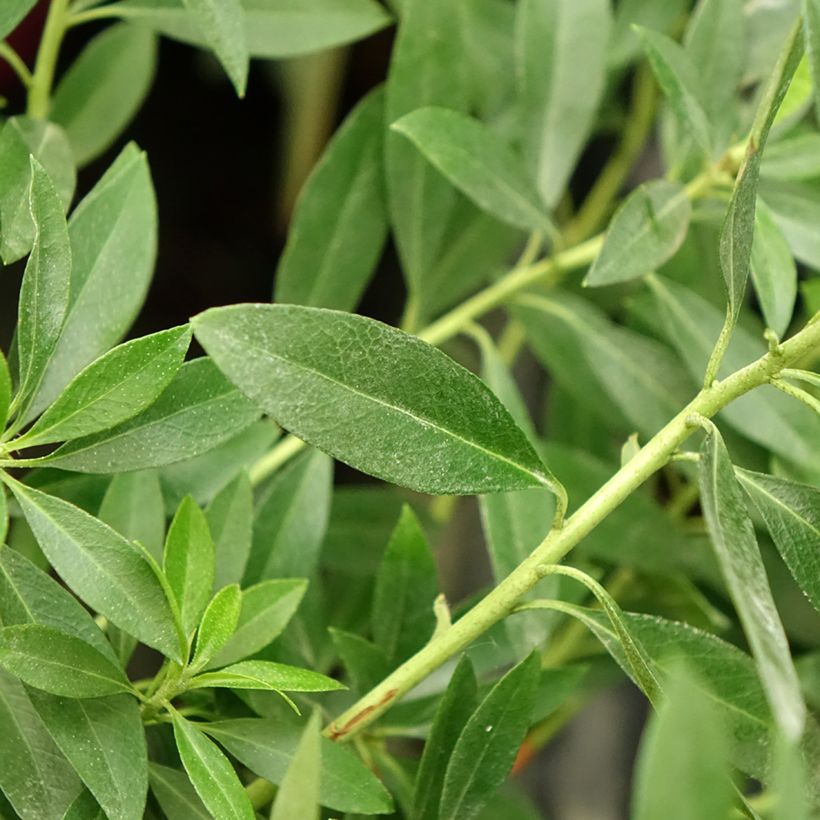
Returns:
(16, 63)
(41, 81)
(280, 453)
(501, 600)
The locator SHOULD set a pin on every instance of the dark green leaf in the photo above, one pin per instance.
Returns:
(340, 223)
(57, 662)
(646, 231)
(298, 794)
(561, 67)
(12, 13)
(456, 439)
(105, 570)
(230, 519)
(197, 411)
(366, 663)
(85, 807)
(739, 556)
(211, 773)
(218, 624)
(104, 741)
(5, 391)
(188, 562)
(486, 748)
(175, 794)
(4, 515)
(478, 162)
(278, 677)
(134, 507)
(104, 88)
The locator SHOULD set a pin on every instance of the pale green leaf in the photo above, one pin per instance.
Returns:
(4, 515)
(134, 507)
(326, 376)
(230, 520)
(789, 784)
(811, 20)
(792, 158)
(175, 794)
(624, 44)
(278, 677)
(5, 391)
(298, 793)
(12, 13)
(219, 623)
(796, 208)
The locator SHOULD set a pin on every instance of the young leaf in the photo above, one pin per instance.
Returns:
(486, 748)
(328, 258)
(646, 231)
(266, 609)
(298, 794)
(57, 662)
(44, 293)
(104, 740)
(453, 712)
(175, 794)
(791, 512)
(773, 271)
(683, 763)
(402, 618)
(38, 781)
(211, 773)
(218, 624)
(197, 411)
(456, 439)
(188, 562)
(267, 746)
(21, 138)
(112, 389)
(105, 570)
(426, 69)
(736, 548)
(230, 520)
(278, 677)
(223, 28)
(478, 162)
(103, 89)
(365, 663)
(5, 391)
(561, 68)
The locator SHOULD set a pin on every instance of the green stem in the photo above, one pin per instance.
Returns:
(260, 792)
(43, 78)
(278, 455)
(799, 394)
(16, 63)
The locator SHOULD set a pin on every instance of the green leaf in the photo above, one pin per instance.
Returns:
(478, 162)
(273, 28)
(44, 293)
(278, 677)
(20, 138)
(267, 747)
(230, 520)
(291, 519)
(134, 507)
(218, 624)
(811, 21)
(104, 88)
(739, 556)
(211, 773)
(298, 794)
(5, 391)
(683, 763)
(12, 13)
(425, 70)
(266, 609)
(791, 512)
(37, 780)
(198, 410)
(4, 515)
(85, 807)
(646, 231)
(678, 79)
(624, 45)
(456, 439)
(57, 662)
(561, 69)
(188, 562)
(789, 784)
(366, 663)
(795, 208)
(221, 25)
(792, 158)
(104, 740)
(453, 712)
(114, 388)
(773, 271)
(175, 794)
(486, 748)
(330, 255)
(106, 571)
(402, 618)
(113, 246)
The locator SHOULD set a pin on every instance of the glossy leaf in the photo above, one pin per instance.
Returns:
(5, 391)
(739, 556)
(114, 388)
(561, 68)
(219, 623)
(198, 410)
(266, 609)
(230, 520)
(485, 749)
(211, 773)
(133, 506)
(791, 512)
(329, 258)
(175, 794)
(104, 740)
(478, 162)
(106, 571)
(57, 662)
(12, 13)
(188, 562)
(646, 231)
(221, 24)
(278, 677)
(298, 793)
(267, 746)
(458, 439)
(103, 89)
